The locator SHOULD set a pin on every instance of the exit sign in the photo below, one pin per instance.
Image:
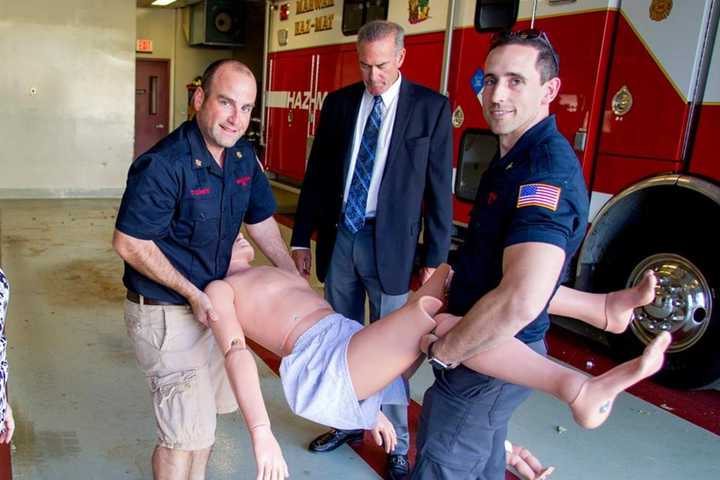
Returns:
(143, 45)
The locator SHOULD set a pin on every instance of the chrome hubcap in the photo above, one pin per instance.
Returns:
(682, 305)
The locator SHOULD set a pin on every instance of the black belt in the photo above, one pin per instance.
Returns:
(135, 298)
(368, 221)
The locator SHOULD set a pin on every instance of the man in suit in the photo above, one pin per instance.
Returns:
(380, 165)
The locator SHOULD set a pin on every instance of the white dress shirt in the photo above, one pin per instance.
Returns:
(390, 101)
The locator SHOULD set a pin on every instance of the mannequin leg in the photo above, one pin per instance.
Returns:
(611, 312)
(382, 351)
(589, 398)
(385, 349)
(594, 401)
(393, 341)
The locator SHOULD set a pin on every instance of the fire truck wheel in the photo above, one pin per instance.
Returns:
(684, 305)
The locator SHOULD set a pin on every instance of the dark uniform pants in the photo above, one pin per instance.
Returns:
(463, 425)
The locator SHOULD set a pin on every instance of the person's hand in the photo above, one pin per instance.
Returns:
(202, 308)
(268, 456)
(303, 261)
(8, 426)
(384, 433)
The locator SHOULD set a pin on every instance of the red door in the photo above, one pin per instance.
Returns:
(152, 103)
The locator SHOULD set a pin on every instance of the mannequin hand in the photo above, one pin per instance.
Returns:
(268, 456)
(526, 464)
(202, 308)
(384, 433)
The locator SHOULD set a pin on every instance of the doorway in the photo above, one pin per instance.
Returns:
(152, 103)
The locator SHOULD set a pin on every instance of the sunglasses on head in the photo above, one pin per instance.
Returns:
(527, 34)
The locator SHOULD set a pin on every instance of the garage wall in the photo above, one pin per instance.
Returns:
(66, 101)
(67, 86)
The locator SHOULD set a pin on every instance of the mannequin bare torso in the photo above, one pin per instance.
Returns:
(277, 308)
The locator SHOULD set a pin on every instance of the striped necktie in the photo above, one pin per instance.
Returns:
(357, 195)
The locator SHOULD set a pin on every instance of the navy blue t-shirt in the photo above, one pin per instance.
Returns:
(535, 193)
(179, 197)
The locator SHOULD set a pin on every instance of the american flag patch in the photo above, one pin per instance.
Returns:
(539, 195)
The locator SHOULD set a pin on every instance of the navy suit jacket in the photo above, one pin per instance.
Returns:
(416, 183)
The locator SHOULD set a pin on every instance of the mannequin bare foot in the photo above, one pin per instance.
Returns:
(437, 284)
(592, 405)
(619, 305)
(525, 464)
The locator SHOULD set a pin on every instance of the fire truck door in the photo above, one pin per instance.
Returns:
(651, 79)
(288, 107)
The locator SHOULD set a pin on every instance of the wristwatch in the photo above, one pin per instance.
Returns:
(436, 363)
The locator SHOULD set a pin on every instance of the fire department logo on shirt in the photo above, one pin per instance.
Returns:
(539, 195)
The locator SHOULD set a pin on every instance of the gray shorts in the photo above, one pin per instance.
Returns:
(316, 379)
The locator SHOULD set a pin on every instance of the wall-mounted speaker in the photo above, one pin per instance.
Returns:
(218, 23)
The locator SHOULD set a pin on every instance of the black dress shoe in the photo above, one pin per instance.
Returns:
(331, 440)
(398, 467)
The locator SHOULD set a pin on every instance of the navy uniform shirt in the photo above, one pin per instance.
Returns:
(179, 197)
(535, 193)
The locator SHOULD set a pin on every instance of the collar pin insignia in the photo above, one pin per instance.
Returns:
(198, 163)
(238, 154)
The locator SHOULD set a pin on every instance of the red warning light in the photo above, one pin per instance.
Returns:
(284, 11)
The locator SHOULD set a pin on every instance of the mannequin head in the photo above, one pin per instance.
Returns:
(242, 254)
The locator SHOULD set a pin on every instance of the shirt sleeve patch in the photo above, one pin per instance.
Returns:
(539, 195)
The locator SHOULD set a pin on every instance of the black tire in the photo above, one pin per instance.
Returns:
(693, 359)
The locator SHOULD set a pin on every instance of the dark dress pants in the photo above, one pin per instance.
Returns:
(351, 277)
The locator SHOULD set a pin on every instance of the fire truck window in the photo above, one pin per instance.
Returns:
(477, 149)
(357, 13)
(493, 15)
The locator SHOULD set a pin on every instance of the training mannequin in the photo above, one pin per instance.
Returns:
(275, 308)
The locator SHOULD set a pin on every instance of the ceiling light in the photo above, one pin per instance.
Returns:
(162, 3)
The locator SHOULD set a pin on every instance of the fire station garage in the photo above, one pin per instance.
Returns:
(91, 86)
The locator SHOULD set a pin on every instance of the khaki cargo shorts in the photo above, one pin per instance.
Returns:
(185, 371)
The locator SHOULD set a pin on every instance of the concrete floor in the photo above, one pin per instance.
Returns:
(83, 411)
(81, 405)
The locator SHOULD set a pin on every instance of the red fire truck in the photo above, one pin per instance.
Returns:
(640, 102)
